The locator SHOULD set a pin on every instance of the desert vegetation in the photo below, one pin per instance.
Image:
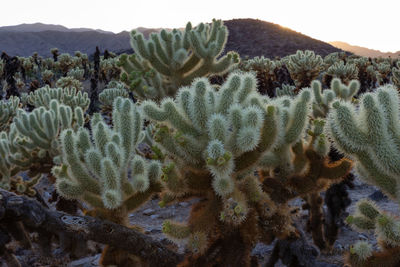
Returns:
(85, 143)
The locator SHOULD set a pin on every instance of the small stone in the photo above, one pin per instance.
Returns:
(154, 216)
(183, 204)
(377, 196)
(148, 212)
(362, 237)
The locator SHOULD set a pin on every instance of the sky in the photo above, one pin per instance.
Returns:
(369, 23)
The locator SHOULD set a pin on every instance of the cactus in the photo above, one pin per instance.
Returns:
(345, 72)
(108, 95)
(395, 76)
(32, 144)
(8, 109)
(338, 90)
(169, 60)
(304, 67)
(265, 71)
(104, 170)
(216, 139)
(370, 135)
(286, 90)
(67, 96)
(69, 82)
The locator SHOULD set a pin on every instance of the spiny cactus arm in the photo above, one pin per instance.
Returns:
(396, 76)
(269, 135)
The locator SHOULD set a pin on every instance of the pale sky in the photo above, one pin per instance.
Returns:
(368, 23)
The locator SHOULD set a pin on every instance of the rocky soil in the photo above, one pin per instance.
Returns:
(151, 216)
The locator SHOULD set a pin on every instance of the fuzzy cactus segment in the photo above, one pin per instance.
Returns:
(102, 167)
(169, 60)
(371, 136)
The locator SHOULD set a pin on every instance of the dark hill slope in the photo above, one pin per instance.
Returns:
(251, 37)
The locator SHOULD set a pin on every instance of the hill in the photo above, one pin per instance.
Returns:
(363, 51)
(249, 37)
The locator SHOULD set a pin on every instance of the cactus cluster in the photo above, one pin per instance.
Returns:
(169, 60)
(304, 67)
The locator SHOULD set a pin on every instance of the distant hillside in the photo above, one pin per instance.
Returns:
(249, 37)
(363, 51)
(40, 27)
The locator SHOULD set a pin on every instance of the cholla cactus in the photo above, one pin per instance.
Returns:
(395, 76)
(265, 71)
(76, 73)
(286, 90)
(65, 63)
(69, 82)
(32, 144)
(67, 96)
(338, 90)
(174, 59)
(369, 217)
(304, 67)
(47, 76)
(8, 109)
(345, 73)
(216, 139)
(108, 95)
(104, 170)
(383, 71)
(370, 134)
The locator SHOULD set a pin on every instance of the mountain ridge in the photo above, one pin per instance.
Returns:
(249, 37)
(363, 51)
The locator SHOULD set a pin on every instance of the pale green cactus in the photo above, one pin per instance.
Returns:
(70, 83)
(174, 59)
(395, 76)
(108, 95)
(370, 135)
(383, 70)
(32, 143)
(76, 73)
(67, 96)
(47, 76)
(8, 109)
(102, 168)
(286, 90)
(345, 72)
(304, 67)
(323, 100)
(215, 139)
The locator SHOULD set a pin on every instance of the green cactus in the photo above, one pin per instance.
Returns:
(32, 144)
(67, 96)
(169, 60)
(103, 169)
(345, 72)
(69, 83)
(304, 67)
(286, 90)
(370, 134)
(106, 172)
(395, 76)
(108, 95)
(323, 101)
(8, 109)
(216, 139)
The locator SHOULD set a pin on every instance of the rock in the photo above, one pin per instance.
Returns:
(148, 212)
(154, 216)
(183, 204)
(378, 196)
(362, 237)
(85, 262)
